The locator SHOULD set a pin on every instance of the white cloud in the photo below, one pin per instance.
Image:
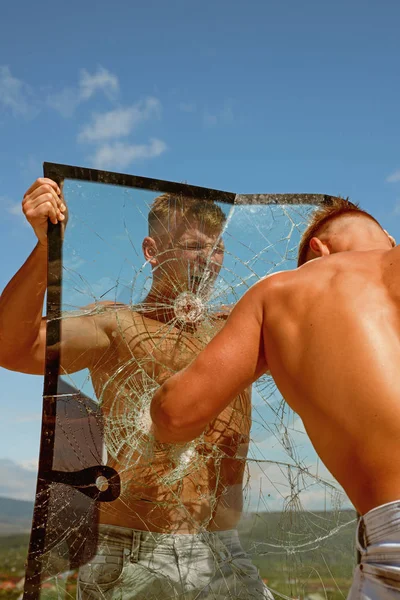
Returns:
(16, 95)
(20, 98)
(187, 107)
(394, 177)
(102, 80)
(17, 481)
(30, 464)
(68, 99)
(120, 155)
(14, 209)
(120, 122)
(34, 417)
(64, 102)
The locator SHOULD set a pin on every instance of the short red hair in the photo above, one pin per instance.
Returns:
(336, 207)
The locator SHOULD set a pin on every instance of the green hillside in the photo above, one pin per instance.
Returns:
(15, 516)
(298, 554)
(303, 553)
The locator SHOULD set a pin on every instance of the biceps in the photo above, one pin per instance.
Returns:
(83, 343)
(230, 363)
(32, 360)
(231, 366)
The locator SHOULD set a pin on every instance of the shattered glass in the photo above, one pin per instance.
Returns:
(127, 321)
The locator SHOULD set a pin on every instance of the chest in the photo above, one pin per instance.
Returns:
(147, 349)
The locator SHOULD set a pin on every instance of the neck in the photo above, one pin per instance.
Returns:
(365, 246)
(159, 304)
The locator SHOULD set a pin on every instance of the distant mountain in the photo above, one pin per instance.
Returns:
(15, 516)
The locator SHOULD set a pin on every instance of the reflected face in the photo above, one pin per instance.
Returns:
(192, 260)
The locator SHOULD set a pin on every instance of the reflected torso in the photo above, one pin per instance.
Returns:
(180, 489)
(332, 342)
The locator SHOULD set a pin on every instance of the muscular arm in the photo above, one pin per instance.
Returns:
(21, 315)
(182, 408)
(23, 330)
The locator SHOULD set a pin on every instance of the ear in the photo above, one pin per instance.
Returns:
(391, 238)
(150, 250)
(318, 247)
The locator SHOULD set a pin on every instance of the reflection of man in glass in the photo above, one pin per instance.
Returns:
(171, 533)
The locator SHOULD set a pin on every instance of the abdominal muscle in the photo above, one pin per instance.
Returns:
(174, 491)
(192, 504)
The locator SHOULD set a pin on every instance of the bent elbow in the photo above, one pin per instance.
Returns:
(161, 410)
(169, 424)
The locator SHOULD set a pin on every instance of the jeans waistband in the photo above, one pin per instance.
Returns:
(136, 540)
(379, 526)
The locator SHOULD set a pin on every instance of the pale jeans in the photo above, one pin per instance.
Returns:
(140, 565)
(378, 541)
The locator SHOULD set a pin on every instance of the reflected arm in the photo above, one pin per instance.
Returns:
(187, 402)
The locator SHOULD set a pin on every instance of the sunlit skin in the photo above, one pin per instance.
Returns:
(329, 332)
(122, 347)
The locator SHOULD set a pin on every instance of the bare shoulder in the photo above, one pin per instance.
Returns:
(275, 284)
(104, 314)
(122, 317)
(104, 307)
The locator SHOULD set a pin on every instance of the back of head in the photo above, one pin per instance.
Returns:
(170, 212)
(337, 207)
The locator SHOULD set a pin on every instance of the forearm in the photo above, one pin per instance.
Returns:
(21, 305)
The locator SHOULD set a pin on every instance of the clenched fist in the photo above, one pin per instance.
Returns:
(41, 202)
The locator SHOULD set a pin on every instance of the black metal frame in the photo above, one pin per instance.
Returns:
(46, 474)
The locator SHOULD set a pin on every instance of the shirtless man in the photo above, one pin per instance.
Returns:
(172, 532)
(329, 332)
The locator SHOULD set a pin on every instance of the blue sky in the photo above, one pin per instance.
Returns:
(248, 97)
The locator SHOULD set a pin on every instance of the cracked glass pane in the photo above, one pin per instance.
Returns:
(246, 510)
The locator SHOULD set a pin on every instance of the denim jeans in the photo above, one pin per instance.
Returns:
(140, 565)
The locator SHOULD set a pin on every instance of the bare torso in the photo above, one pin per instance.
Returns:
(199, 487)
(332, 342)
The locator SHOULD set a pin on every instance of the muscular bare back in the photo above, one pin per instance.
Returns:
(332, 343)
(177, 489)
